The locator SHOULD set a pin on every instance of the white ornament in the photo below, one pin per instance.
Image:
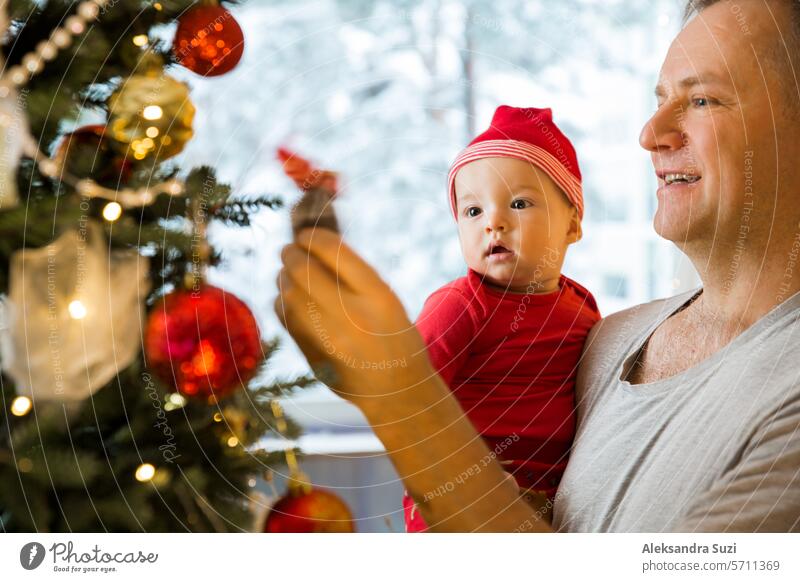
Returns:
(10, 144)
(13, 132)
(73, 316)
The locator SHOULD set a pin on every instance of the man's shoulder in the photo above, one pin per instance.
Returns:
(634, 320)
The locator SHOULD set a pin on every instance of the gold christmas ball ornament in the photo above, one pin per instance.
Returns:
(151, 115)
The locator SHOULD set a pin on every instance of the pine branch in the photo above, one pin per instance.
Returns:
(77, 471)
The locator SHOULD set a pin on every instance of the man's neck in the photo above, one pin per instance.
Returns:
(740, 286)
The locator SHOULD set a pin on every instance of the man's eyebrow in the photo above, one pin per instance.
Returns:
(692, 81)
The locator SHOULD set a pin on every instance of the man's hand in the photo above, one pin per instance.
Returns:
(347, 321)
(355, 334)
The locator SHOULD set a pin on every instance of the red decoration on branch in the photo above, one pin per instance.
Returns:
(204, 342)
(88, 153)
(208, 41)
(309, 510)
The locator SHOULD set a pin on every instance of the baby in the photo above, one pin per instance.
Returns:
(508, 336)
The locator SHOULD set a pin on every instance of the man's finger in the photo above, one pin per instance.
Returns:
(308, 274)
(298, 322)
(329, 248)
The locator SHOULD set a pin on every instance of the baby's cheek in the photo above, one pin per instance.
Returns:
(468, 242)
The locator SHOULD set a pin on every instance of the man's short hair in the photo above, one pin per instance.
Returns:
(790, 45)
(695, 6)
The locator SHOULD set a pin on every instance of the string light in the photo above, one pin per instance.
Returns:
(174, 402)
(112, 211)
(152, 112)
(177, 399)
(233, 441)
(21, 405)
(76, 309)
(145, 472)
(140, 39)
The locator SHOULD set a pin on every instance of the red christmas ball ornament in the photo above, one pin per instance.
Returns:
(204, 342)
(208, 41)
(87, 153)
(306, 509)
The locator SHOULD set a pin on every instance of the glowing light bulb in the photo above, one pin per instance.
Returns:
(152, 112)
(233, 441)
(151, 131)
(20, 406)
(140, 39)
(177, 399)
(112, 211)
(145, 472)
(76, 309)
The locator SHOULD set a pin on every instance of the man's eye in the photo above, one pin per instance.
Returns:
(701, 102)
(473, 211)
(520, 204)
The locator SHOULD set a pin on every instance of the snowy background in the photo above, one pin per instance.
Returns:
(387, 93)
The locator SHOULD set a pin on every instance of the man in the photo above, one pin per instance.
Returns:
(688, 408)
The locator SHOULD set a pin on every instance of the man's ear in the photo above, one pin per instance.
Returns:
(575, 232)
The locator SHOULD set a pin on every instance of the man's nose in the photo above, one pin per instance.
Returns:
(664, 130)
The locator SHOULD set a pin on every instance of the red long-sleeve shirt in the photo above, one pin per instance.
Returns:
(511, 360)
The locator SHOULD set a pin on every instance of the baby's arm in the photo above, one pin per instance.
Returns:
(448, 325)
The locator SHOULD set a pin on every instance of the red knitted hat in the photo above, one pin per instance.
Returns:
(527, 134)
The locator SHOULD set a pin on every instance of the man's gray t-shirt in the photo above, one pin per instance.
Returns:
(714, 448)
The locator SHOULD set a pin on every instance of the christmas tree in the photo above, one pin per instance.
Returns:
(131, 388)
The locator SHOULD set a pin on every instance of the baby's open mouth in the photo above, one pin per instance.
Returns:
(498, 250)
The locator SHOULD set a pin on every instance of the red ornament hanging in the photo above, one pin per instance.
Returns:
(208, 41)
(88, 153)
(306, 509)
(204, 342)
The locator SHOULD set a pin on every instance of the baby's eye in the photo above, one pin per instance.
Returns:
(473, 211)
(519, 204)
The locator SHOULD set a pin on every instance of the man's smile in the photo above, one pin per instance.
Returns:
(677, 181)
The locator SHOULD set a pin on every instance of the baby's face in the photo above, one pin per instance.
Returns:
(514, 224)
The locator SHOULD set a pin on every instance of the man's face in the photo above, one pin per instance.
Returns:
(514, 223)
(721, 135)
